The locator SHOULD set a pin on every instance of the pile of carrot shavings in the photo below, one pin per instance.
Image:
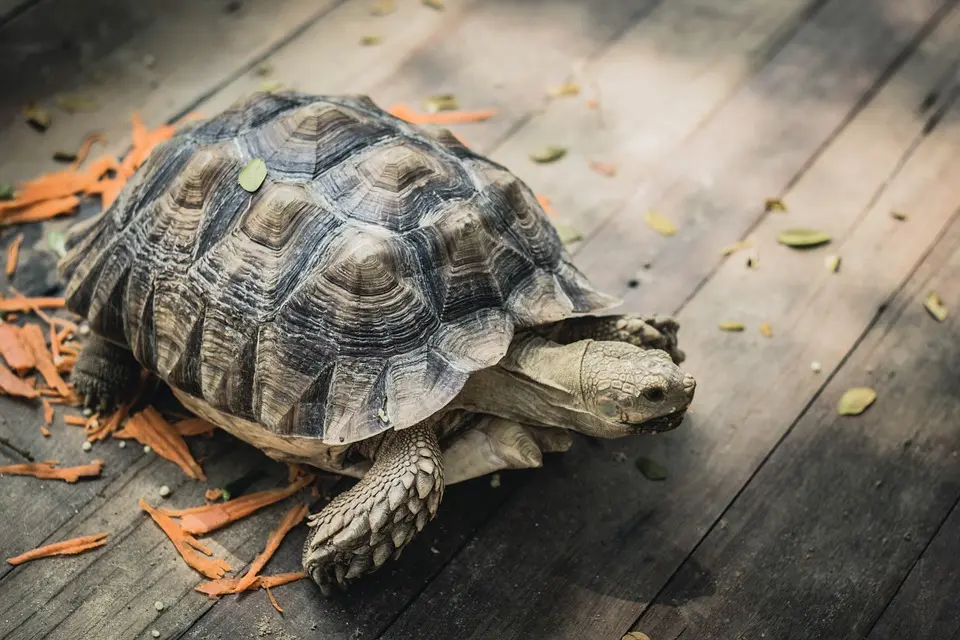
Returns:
(188, 546)
(58, 193)
(441, 118)
(48, 470)
(64, 548)
(210, 517)
(149, 428)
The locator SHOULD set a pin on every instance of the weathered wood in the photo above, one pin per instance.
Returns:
(821, 537)
(588, 541)
(925, 607)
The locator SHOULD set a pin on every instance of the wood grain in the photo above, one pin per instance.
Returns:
(583, 576)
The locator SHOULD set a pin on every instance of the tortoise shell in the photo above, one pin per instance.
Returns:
(377, 266)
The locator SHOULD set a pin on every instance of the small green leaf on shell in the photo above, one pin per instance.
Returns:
(832, 263)
(660, 223)
(565, 89)
(253, 175)
(774, 204)
(635, 635)
(651, 469)
(567, 233)
(383, 7)
(803, 238)
(934, 304)
(369, 41)
(441, 102)
(548, 154)
(436, 5)
(6, 191)
(730, 325)
(899, 215)
(57, 242)
(855, 401)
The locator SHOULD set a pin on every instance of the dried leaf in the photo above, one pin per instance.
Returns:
(548, 154)
(774, 204)
(604, 168)
(832, 263)
(565, 89)
(635, 635)
(383, 7)
(856, 400)
(74, 102)
(568, 234)
(660, 223)
(934, 304)
(37, 117)
(729, 325)
(899, 215)
(369, 41)
(803, 238)
(436, 5)
(441, 102)
(766, 330)
(253, 175)
(651, 469)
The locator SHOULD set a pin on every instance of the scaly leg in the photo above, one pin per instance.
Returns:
(105, 373)
(362, 527)
(644, 331)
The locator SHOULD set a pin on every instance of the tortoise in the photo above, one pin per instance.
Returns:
(387, 305)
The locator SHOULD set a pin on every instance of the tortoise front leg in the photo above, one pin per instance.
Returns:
(644, 331)
(362, 527)
(105, 373)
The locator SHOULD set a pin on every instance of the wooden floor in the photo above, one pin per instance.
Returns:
(779, 518)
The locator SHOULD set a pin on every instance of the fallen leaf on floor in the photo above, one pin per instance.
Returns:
(370, 40)
(774, 204)
(13, 255)
(855, 401)
(604, 168)
(635, 635)
(899, 215)
(441, 102)
(565, 89)
(568, 234)
(383, 7)
(48, 470)
(548, 154)
(651, 469)
(37, 117)
(766, 330)
(64, 548)
(832, 263)
(75, 102)
(730, 325)
(731, 249)
(660, 223)
(253, 175)
(934, 304)
(436, 5)
(803, 238)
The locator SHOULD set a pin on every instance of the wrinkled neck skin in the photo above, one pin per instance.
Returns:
(537, 383)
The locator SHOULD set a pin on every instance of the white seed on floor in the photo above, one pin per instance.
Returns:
(146, 448)
(155, 633)
(87, 411)
(164, 492)
(815, 366)
(86, 446)
(158, 605)
(123, 444)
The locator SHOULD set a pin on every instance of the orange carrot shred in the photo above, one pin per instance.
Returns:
(20, 303)
(404, 112)
(34, 339)
(47, 411)
(210, 517)
(149, 428)
(42, 210)
(187, 546)
(13, 253)
(112, 423)
(64, 548)
(291, 519)
(194, 427)
(213, 494)
(44, 431)
(273, 601)
(294, 471)
(85, 147)
(75, 421)
(224, 586)
(604, 168)
(48, 470)
(14, 350)
(54, 345)
(547, 207)
(11, 385)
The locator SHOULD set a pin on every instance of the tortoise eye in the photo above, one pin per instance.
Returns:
(656, 394)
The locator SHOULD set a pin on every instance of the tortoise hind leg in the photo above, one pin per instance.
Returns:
(105, 373)
(644, 331)
(359, 529)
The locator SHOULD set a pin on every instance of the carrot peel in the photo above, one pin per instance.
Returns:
(291, 519)
(149, 428)
(64, 548)
(188, 546)
(48, 470)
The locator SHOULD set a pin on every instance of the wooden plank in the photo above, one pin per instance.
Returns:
(100, 48)
(925, 607)
(822, 536)
(714, 186)
(10, 8)
(588, 541)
